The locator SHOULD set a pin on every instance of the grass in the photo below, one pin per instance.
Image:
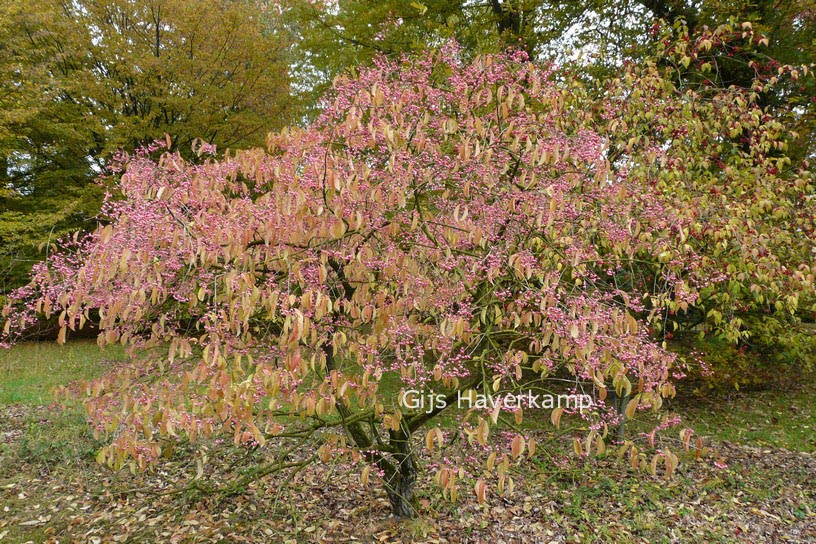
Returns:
(46, 453)
(44, 441)
(30, 371)
(49, 438)
(782, 417)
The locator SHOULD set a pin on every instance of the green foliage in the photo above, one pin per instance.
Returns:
(47, 438)
(81, 80)
(62, 438)
(333, 37)
(737, 174)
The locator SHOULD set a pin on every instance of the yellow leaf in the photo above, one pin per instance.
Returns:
(517, 446)
(600, 446)
(338, 229)
(491, 461)
(555, 416)
(653, 466)
(481, 491)
(429, 440)
(631, 407)
(324, 453)
(576, 446)
(494, 414)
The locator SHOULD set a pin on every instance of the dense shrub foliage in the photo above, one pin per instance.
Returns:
(725, 159)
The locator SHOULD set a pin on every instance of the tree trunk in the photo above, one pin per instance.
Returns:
(400, 479)
(619, 404)
(401, 469)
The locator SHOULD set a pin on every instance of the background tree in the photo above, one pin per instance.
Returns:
(784, 35)
(332, 37)
(81, 80)
(739, 171)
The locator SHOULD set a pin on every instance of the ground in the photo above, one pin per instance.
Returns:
(51, 489)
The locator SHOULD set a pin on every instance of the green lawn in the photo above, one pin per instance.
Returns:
(28, 372)
(782, 417)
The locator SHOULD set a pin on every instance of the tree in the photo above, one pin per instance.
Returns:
(733, 165)
(82, 80)
(444, 226)
(785, 36)
(332, 37)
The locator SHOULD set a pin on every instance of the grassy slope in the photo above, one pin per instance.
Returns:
(50, 486)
